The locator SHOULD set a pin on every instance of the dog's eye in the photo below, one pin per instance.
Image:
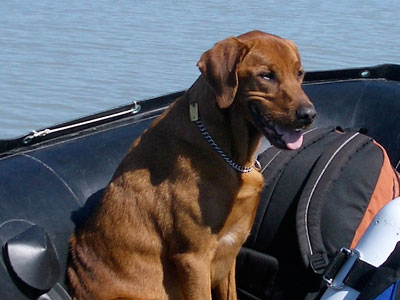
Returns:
(300, 73)
(268, 76)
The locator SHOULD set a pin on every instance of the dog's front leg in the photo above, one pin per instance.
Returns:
(226, 289)
(194, 276)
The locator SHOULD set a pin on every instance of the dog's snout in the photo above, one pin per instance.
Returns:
(305, 114)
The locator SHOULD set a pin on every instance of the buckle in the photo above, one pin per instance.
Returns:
(318, 262)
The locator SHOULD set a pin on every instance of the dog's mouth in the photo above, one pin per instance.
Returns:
(279, 136)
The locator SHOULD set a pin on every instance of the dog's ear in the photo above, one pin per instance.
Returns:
(219, 67)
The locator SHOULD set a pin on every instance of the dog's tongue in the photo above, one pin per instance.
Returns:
(293, 139)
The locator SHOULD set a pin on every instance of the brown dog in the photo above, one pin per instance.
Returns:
(177, 210)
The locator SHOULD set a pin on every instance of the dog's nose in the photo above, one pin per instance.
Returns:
(305, 114)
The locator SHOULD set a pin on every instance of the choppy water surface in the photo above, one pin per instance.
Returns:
(60, 60)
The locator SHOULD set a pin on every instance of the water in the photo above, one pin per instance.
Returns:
(61, 60)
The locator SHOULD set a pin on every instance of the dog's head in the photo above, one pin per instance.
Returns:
(262, 74)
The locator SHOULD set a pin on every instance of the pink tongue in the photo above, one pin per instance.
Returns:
(293, 139)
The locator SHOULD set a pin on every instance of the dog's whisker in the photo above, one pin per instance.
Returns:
(259, 95)
(256, 98)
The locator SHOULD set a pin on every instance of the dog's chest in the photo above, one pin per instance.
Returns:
(230, 238)
(235, 236)
(241, 217)
(236, 229)
(228, 246)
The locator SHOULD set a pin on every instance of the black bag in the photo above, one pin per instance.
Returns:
(316, 200)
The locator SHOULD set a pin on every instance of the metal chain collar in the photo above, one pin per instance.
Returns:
(229, 161)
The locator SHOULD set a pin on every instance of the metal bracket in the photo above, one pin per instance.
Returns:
(334, 280)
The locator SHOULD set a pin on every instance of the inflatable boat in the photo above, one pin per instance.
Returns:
(51, 178)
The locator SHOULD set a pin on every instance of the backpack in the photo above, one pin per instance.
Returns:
(316, 200)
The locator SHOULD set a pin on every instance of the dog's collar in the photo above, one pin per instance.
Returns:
(194, 117)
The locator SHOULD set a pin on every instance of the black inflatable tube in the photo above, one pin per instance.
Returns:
(47, 180)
